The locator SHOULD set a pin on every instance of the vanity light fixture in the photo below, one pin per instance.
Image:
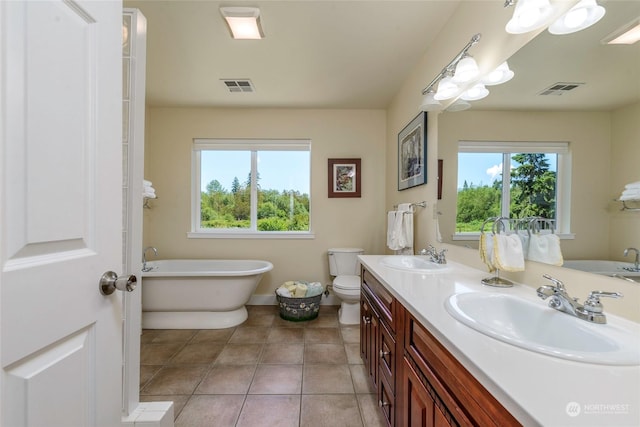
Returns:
(447, 88)
(501, 74)
(466, 70)
(429, 103)
(458, 105)
(243, 22)
(528, 15)
(582, 15)
(476, 92)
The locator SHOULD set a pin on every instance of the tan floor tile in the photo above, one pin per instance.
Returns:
(240, 354)
(259, 319)
(250, 334)
(286, 335)
(207, 410)
(173, 335)
(262, 309)
(147, 372)
(175, 380)
(213, 335)
(325, 353)
(353, 353)
(326, 379)
(350, 334)
(277, 379)
(179, 400)
(361, 381)
(330, 410)
(198, 354)
(279, 322)
(324, 320)
(281, 353)
(270, 411)
(322, 335)
(371, 414)
(158, 354)
(148, 335)
(227, 379)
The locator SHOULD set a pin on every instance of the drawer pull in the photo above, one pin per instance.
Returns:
(366, 320)
(382, 403)
(384, 353)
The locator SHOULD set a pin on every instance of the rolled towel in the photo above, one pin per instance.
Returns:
(149, 195)
(301, 290)
(631, 194)
(314, 288)
(507, 252)
(284, 292)
(632, 185)
(146, 183)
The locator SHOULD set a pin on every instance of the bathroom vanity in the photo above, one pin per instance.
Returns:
(429, 369)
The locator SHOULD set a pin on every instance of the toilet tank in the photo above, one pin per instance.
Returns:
(344, 261)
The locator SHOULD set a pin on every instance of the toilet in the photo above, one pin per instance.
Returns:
(345, 268)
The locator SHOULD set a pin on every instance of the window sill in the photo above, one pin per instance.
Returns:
(249, 235)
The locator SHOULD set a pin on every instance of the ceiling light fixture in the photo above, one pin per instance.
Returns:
(243, 22)
(582, 15)
(528, 15)
(628, 34)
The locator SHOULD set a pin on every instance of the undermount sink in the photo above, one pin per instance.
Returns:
(415, 263)
(536, 327)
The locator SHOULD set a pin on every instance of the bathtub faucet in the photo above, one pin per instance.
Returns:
(144, 258)
(636, 263)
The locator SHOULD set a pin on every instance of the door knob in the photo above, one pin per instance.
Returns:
(110, 281)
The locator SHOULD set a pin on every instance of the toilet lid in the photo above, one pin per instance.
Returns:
(347, 282)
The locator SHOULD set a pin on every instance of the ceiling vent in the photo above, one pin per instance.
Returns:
(560, 88)
(239, 85)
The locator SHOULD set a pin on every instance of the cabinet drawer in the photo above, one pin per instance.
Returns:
(467, 400)
(387, 354)
(383, 300)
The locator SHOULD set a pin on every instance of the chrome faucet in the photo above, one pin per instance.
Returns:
(437, 257)
(144, 258)
(636, 263)
(591, 310)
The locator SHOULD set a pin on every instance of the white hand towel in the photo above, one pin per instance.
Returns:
(404, 228)
(524, 238)
(631, 194)
(545, 248)
(392, 235)
(507, 252)
(146, 183)
(486, 251)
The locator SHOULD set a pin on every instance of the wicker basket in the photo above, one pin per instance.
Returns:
(299, 309)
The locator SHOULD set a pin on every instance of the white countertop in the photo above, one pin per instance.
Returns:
(537, 389)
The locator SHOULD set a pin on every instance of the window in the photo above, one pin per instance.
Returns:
(513, 180)
(251, 188)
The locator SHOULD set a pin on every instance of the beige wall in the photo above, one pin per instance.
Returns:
(589, 137)
(336, 222)
(625, 168)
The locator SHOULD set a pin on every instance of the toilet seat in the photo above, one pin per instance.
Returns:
(347, 284)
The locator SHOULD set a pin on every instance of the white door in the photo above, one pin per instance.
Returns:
(60, 212)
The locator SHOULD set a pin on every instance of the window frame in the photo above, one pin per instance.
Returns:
(507, 149)
(253, 146)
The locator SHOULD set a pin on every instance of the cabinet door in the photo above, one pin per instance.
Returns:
(369, 324)
(418, 410)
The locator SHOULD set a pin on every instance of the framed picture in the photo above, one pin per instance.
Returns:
(412, 153)
(344, 178)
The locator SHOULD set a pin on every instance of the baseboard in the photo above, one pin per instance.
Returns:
(257, 299)
(150, 414)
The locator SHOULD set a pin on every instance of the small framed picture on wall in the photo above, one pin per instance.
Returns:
(344, 178)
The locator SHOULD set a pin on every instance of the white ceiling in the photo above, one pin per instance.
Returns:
(357, 53)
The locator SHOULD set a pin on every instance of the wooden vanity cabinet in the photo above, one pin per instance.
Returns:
(381, 321)
(438, 390)
(418, 382)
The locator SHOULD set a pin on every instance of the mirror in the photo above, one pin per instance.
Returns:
(598, 117)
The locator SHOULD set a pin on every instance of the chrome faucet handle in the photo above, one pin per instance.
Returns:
(593, 304)
(555, 281)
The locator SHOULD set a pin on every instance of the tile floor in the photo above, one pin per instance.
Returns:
(265, 372)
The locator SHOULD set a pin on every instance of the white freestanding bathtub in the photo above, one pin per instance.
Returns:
(198, 294)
